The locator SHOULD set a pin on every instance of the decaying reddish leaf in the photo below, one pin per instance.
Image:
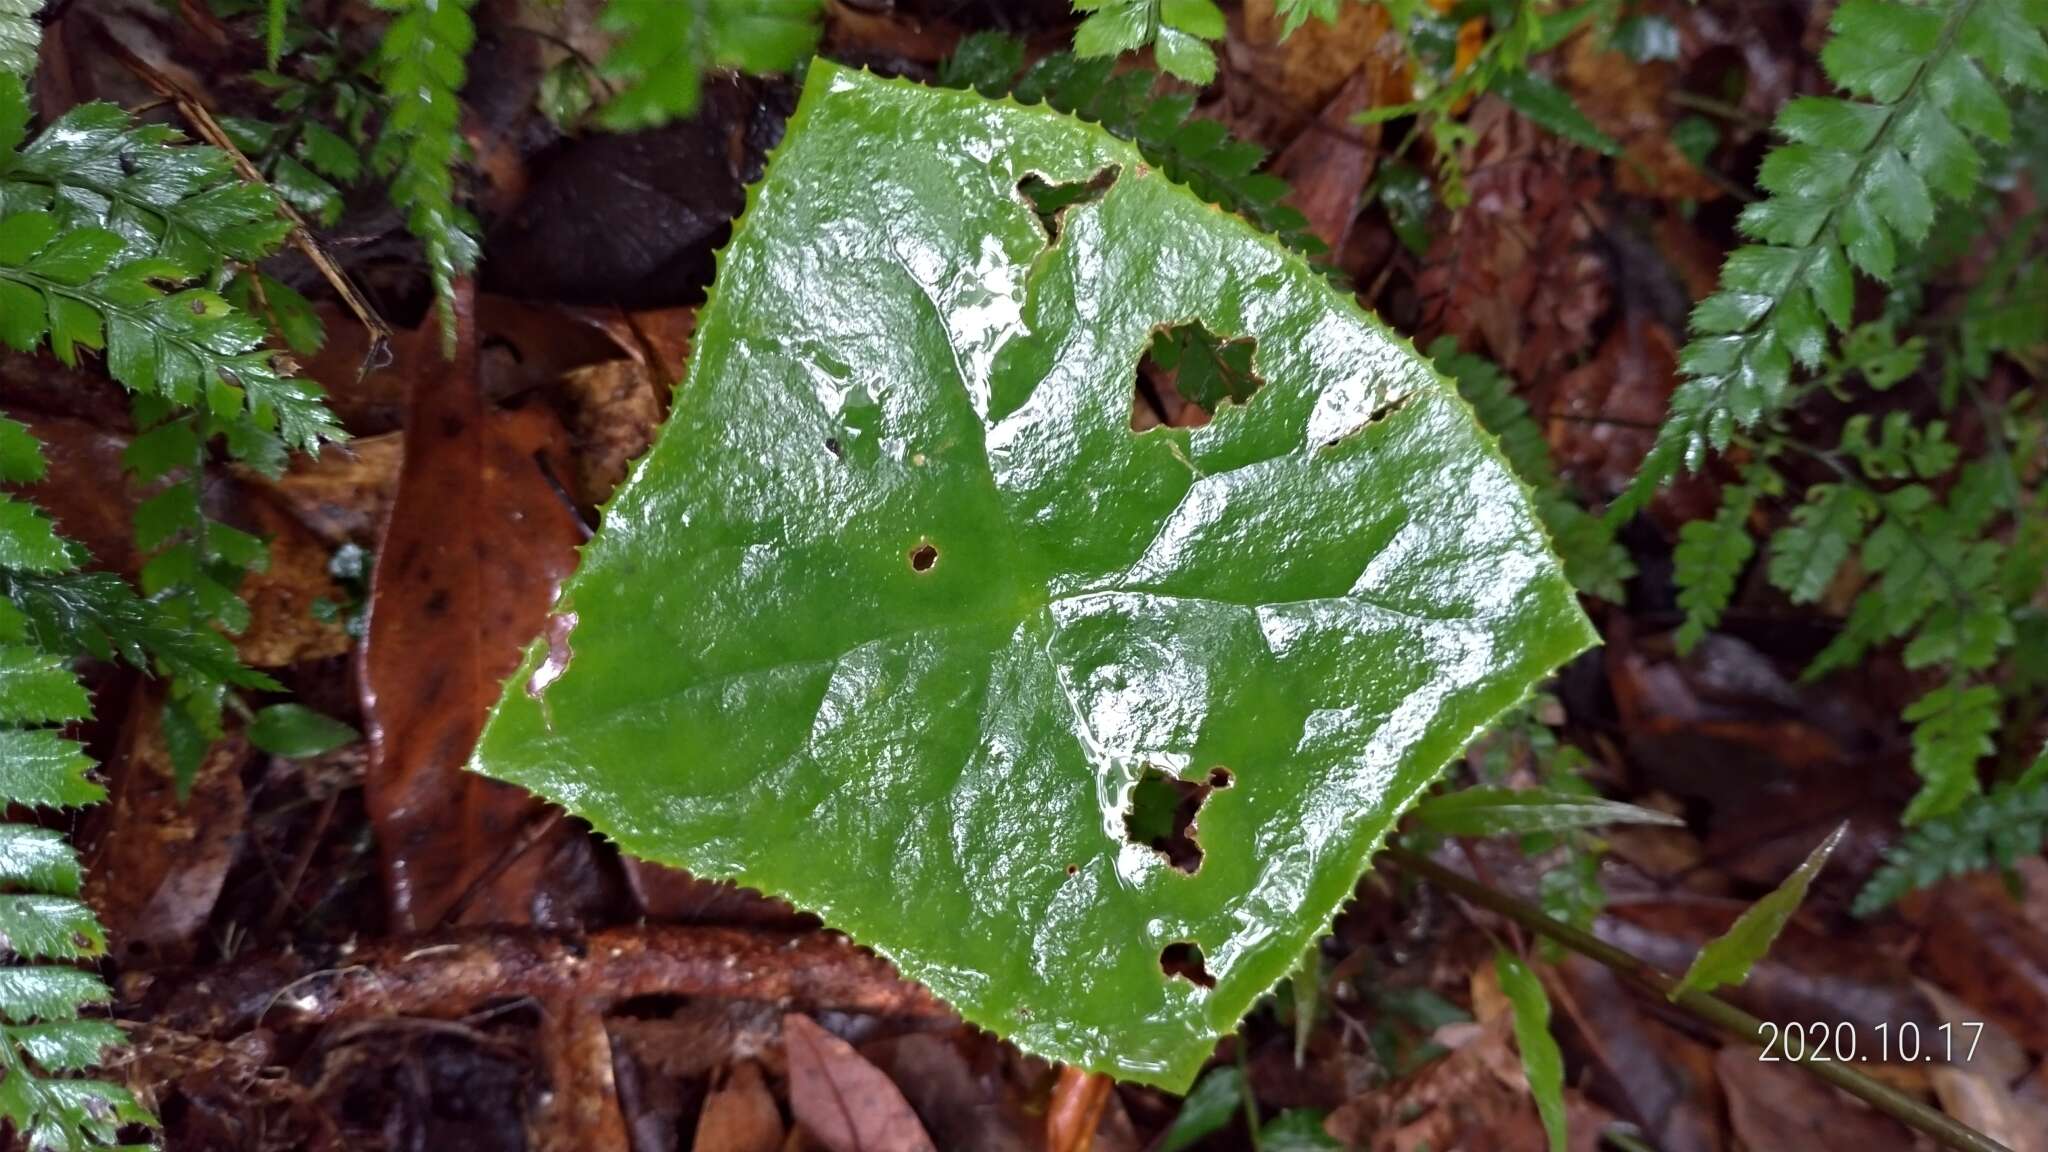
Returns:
(1981, 946)
(1774, 1106)
(740, 1115)
(843, 1101)
(481, 534)
(283, 628)
(1516, 275)
(1630, 102)
(161, 859)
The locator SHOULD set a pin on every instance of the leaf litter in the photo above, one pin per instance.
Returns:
(287, 995)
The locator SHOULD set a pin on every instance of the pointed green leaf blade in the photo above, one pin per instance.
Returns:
(1517, 812)
(294, 731)
(1728, 957)
(899, 610)
(1542, 1061)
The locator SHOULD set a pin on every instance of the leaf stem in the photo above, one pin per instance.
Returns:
(1709, 1009)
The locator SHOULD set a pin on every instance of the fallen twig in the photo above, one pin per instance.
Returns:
(450, 975)
(202, 121)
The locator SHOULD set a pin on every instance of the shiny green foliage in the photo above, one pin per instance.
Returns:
(1947, 552)
(900, 603)
(421, 63)
(1994, 830)
(43, 923)
(72, 289)
(177, 203)
(1855, 183)
(20, 33)
(1531, 785)
(1520, 811)
(1177, 31)
(1542, 1060)
(1216, 1100)
(294, 730)
(1197, 152)
(1712, 554)
(103, 222)
(1548, 107)
(664, 47)
(1294, 13)
(1728, 957)
(313, 152)
(1597, 564)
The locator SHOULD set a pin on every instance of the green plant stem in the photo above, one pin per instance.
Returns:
(1710, 1009)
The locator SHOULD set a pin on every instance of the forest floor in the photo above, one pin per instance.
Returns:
(468, 970)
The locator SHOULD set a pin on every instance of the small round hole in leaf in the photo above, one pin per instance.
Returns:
(1183, 959)
(1220, 778)
(923, 556)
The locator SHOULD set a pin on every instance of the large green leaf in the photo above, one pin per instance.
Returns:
(899, 610)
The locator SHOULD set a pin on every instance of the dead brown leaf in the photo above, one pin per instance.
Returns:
(739, 1115)
(580, 1111)
(160, 859)
(1514, 274)
(1328, 165)
(1980, 946)
(282, 628)
(344, 494)
(615, 409)
(1604, 414)
(1775, 1106)
(1278, 84)
(843, 1101)
(1628, 101)
(479, 539)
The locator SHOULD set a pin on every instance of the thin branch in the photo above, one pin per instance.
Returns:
(202, 121)
(1710, 1009)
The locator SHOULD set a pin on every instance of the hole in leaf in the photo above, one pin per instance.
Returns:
(832, 446)
(1073, 869)
(1379, 413)
(1189, 372)
(1051, 201)
(923, 556)
(1162, 817)
(1220, 778)
(1183, 958)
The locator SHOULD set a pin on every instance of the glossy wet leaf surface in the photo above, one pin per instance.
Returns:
(899, 610)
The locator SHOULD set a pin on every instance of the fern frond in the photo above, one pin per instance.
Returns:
(74, 288)
(1952, 730)
(1711, 555)
(43, 924)
(1990, 831)
(1596, 563)
(164, 198)
(1177, 31)
(1197, 152)
(1806, 554)
(421, 64)
(96, 613)
(20, 34)
(1855, 179)
(664, 47)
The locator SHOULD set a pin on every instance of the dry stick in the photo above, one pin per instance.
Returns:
(1711, 1009)
(302, 237)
